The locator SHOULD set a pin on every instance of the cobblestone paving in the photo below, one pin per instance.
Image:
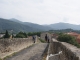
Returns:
(32, 53)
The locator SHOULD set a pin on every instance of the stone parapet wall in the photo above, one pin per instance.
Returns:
(8, 46)
(69, 52)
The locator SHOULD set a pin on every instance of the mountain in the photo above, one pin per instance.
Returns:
(37, 26)
(15, 20)
(33, 25)
(64, 26)
(16, 26)
(55, 26)
(6, 24)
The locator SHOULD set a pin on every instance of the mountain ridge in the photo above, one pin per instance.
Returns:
(59, 25)
(16, 25)
(65, 26)
(34, 25)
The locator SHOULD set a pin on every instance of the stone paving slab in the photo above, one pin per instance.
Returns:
(32, 53)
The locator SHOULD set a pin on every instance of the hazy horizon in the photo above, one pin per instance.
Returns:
(41, 11)
(37, 23)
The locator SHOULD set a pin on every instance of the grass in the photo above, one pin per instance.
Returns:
(6, 57)
(0, 59)
(9, 56)
(43, 41)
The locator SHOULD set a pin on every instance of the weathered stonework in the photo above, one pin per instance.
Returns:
(9, 46)
(69, 52)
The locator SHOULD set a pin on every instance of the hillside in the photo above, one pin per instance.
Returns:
(36, 26)
(64, 26)
(51, 26)
(16, 27)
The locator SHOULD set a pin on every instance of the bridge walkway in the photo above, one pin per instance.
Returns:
(33, 52)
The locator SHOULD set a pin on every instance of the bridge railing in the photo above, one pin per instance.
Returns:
(62, 51)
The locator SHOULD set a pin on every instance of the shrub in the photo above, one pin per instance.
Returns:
(69, 39)
(21, 35)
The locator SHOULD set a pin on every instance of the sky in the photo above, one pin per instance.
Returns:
(41, 11)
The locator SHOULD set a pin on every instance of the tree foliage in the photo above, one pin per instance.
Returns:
(64, 31)
(6, 34)
(69, 39)
(21, 35)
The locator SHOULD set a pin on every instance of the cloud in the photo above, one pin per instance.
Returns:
(41, 11)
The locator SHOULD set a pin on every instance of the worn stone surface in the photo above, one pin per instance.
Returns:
(69, 52)
(9, 46)
(32, 53)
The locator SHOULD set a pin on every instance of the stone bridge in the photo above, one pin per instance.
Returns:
(54, 50)
(62, 51)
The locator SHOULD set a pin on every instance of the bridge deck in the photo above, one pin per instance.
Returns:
(32, 53)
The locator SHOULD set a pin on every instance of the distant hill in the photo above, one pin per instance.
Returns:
(16, 27)
(33, 25)
(37, 26)
(51, 26)
(15, 20)
(64, 26)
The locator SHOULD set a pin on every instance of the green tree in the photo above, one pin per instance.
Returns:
(6, 34)
(21, 35)
(68, 38)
